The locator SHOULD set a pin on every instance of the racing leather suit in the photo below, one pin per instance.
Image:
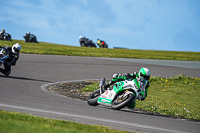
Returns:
(99, 43)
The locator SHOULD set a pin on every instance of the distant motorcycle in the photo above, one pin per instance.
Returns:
(102, 44)
(30, 38)
(121, 95)
(85, 42)
(6, 37)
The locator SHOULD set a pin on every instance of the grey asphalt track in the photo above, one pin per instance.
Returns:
(24, 91)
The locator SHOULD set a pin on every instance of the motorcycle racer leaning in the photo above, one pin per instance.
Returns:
(143, 77)
(2, 33)
(13, 53)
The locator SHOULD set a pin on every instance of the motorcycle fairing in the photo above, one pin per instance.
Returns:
(118, 87)
(107, 97)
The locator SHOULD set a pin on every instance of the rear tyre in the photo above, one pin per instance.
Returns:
(119, 103)
(92, 99)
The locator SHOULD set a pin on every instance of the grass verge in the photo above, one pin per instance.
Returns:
(55, 49)
(175, 96)
(13, 122)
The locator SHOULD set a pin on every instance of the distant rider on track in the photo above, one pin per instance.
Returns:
(101, 43)
(30, 38)
(2, 33)
(13, 56)
(83, 41)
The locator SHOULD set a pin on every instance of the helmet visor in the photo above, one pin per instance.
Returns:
(144, 76)
(16, 50)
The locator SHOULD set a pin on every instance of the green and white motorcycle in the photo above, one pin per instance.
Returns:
(122, 94)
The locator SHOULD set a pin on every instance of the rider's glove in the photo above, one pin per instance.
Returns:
(115, 75)
(126, 76)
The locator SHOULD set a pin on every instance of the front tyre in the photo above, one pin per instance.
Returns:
(120, 102)
(92, 99)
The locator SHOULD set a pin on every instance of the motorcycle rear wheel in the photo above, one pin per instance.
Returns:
(92, 99)
(119, 103)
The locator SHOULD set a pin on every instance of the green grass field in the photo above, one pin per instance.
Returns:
(13, 122)
(55, 49)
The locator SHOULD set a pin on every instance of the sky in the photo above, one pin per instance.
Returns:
(172, 25)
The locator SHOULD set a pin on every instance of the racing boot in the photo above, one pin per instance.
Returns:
(131, 106)
(6, 73)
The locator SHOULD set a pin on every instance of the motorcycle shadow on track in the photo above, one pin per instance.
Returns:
(24, 78)
(140, 112)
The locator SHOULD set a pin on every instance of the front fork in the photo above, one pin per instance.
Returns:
(125, 94)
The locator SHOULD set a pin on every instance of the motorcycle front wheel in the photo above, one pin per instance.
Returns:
(92, 99)
(120, 102)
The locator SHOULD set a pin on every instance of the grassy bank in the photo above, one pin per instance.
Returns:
(176, 96)
(55, 49)
(12, 122)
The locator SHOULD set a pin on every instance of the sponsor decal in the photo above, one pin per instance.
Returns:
(105, 95)
(104, 101)
(118, 86)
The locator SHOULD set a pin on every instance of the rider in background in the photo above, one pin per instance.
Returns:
(28, 34)
(99, 42)
(83, 41)
(27, 37)
(142, 77)
(2, 33)
(13, 53)
(102, 44)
